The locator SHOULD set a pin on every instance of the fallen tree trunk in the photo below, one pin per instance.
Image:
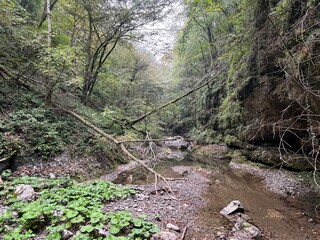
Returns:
(120, 145)
(150, 140)
(198, 86)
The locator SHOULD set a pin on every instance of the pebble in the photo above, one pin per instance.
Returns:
(310, 220)
(65, 234)
(173, 227)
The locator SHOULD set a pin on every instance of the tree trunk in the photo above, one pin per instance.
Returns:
(88, 71)
(49, 22)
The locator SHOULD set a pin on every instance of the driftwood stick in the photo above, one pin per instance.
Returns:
(184, 233)
(149, 140)
(156, 184)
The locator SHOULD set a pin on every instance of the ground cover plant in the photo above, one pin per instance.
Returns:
(63, 204)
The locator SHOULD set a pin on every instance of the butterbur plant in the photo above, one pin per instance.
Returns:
(63, 204)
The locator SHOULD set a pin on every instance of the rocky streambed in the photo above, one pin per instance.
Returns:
(274, 201)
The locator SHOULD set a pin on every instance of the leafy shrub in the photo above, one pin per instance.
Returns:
(41, 130)
(205, 136)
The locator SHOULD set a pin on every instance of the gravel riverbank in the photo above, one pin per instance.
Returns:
(178, 208)
(275, 180)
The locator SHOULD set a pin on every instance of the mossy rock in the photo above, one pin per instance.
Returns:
(237, 156)
(211, 151)
(271, 157)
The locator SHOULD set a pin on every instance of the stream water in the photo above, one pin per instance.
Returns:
(278, 217)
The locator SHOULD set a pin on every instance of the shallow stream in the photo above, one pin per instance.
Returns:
(278, 217)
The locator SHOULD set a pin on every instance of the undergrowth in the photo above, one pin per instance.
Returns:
(63, 204)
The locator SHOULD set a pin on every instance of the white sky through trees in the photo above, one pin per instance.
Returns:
(159, 37)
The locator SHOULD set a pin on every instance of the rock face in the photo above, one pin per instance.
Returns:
(25, 192)
(271, 157)
(275, 95)
(273, 101)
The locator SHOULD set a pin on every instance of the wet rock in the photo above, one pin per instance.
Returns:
(173, 227)
(65, 234)
(176, 155)
(233, 207)
(280, 182)
(214, 151)
(271, 157)
(25, 192)
(177, 142)
(164, 236)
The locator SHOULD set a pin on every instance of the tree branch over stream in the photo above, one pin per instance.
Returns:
(202, 83)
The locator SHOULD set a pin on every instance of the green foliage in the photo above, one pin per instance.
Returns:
(203, 135)
(217, 31)
(121, 222)
(230, 113)
(18, 41)
(52, 62)
(64, 204)
(45, 135)
(280, 11)
(230, 140)
(8, 146)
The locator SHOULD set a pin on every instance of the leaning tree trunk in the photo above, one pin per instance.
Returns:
(203, 82)
(121, 146)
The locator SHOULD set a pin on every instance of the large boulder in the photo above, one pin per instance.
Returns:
(211, 151)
